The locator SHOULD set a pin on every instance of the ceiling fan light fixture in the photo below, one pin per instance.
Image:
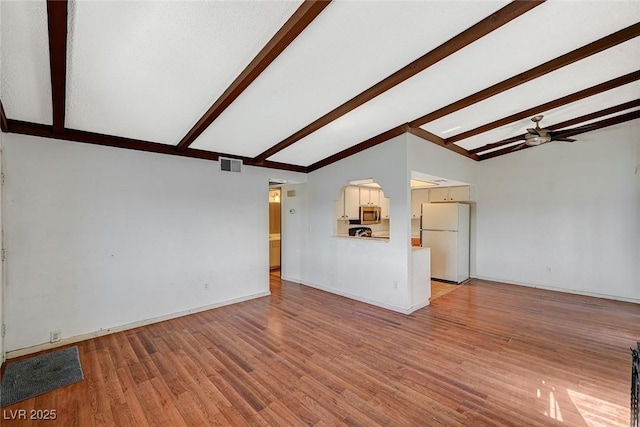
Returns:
(536, 140)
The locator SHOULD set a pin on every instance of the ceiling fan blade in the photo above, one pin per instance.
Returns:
(532, 131)
(519, 146)
(563, 139)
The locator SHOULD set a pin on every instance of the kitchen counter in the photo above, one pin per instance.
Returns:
(420, 277)
(375, 239)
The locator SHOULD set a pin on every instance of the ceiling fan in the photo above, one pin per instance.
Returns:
(537, 136)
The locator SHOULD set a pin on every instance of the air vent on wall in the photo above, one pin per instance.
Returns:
(230, 165)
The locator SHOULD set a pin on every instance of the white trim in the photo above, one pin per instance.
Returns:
(290, 279)
(555, 289)
(419, 306)
(365, 300)
(357, 298)
(70, 340)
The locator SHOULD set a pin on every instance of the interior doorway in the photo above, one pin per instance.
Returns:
(275, 235)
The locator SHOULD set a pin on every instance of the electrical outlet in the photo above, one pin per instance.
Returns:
(206, 286)
(549, 268)
(395, 285)
(55, 335)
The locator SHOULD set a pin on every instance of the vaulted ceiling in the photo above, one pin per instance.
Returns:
(299, 85)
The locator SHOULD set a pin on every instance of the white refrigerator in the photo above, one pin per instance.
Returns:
(444, 227)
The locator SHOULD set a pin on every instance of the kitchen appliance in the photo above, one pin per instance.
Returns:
(445, 229)
(370, 214)
(360, 232)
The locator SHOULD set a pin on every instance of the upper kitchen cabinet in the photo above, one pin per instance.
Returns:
(362, 211)
(369, 196)
(450, 194)
(348, 205)
(384, 206)
(418, 197)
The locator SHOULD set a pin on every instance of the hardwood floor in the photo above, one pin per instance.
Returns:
(439, 289)
(487, 354)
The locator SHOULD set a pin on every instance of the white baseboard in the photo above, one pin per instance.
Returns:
(361, 299)
(77, 338)
(357, 298)
(290, 279)
(556, 289)
(418, 306)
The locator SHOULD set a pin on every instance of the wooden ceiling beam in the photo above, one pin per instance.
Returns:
(497, 144)
(371, 142)
(465, 38)
(428, 136)
(301, 18)
(46, 131)
(4, 126)
(632, 115)
(571, 122)
(576, 96)
(601, 113)
(57, 24)
(572, 132)
(533, 73)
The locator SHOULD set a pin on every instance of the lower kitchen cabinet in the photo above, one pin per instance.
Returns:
(274, 254)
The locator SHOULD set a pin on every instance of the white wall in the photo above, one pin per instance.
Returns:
(99, 237)
(1, 263)
(293, 230)
(369, 270)
(573, 208)
(1, 226)
(425, 157)
(361, 269)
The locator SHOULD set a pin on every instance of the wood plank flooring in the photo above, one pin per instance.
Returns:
(487, 354)
(439, 289)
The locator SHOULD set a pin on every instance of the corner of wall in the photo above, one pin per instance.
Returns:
(2, 350)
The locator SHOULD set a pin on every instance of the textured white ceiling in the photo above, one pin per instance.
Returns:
(609, 64)
(149, 70)
(628, 92)
(348, 48)
(560, 28)
(25, 87)
(579, 138)
(527, 96)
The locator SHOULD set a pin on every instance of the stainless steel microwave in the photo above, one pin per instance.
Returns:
(370, 214)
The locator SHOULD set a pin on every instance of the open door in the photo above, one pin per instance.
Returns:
(275, 222)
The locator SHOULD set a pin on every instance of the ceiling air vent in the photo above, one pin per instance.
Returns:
(230, 165)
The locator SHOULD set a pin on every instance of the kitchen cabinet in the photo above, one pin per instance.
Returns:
(418, 197)
(339, 206)
(351, 202)
(274, 218)
(450, 194)
(460, 194)
(439, 195)
(369, 196)
(352, 197)
(348, 206)
(274, 253)
(384, 206)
